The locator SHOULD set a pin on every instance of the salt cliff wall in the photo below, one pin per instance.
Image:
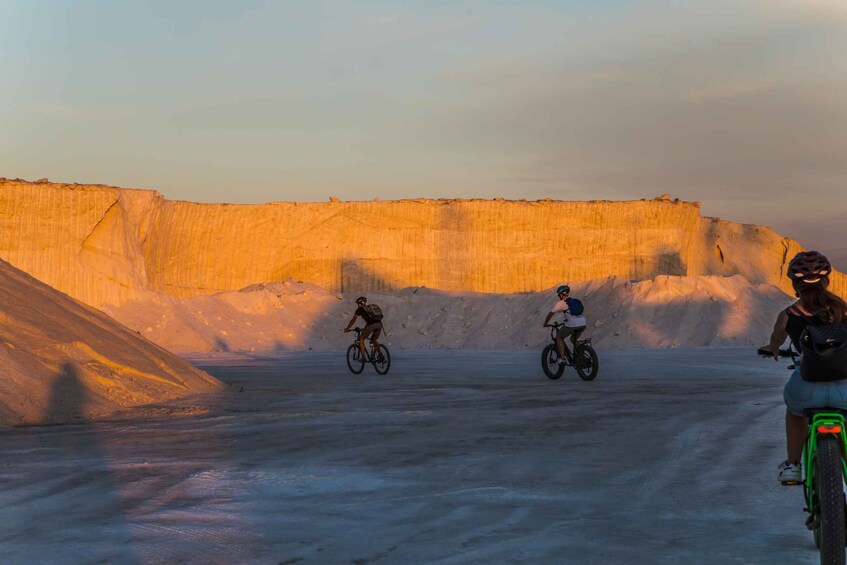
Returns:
(105, 245)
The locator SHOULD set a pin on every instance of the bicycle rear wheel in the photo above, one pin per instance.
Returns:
(549, 358)
(354, 359)
(381, 359)
(828, 483)
(586, 362)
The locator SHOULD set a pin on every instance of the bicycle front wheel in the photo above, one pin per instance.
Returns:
(354, 359)
(381, 359)
(549, 362)
(586, 362)
(828, 483)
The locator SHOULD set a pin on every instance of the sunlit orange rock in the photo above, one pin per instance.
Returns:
(107, 245)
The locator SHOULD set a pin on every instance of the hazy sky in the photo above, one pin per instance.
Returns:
(741, 105)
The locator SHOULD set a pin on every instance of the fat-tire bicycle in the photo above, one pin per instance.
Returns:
(583, 359)
(825, 470)
(378, 357)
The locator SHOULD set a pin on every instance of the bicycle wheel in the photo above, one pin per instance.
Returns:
(354, 359)
(586, 362)
(549, 357)
(828, 483)
(381, 359)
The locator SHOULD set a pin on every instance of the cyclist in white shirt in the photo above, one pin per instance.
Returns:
(574, 323)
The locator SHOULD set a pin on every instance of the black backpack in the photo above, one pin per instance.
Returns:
(374, 312)
(824, 353)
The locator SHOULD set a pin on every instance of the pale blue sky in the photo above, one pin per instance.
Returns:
(737, 104)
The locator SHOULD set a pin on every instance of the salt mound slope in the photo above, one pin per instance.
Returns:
(61, 360)
(663, 312)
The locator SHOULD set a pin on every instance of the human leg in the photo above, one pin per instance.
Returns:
(799, 395)
(377, 330)
(796, 429)
(367, 331)
(575, 335)
(563, 332)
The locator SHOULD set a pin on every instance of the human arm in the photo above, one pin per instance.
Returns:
(778, 335)
(559, 306)
(350, 324)
(547, 319)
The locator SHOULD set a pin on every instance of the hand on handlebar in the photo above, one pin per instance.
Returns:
(768, 351)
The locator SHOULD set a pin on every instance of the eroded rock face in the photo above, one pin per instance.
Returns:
(62, 361)
(107, 246)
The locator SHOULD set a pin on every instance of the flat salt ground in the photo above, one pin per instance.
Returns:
(454, 457)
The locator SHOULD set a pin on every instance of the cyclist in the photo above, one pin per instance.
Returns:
(574, 322)
(372, 326)
(809, 273)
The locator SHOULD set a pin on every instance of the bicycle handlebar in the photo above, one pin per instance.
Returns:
(795, 357)
(789, 352)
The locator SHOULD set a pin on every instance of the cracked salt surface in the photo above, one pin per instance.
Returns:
(466, 457)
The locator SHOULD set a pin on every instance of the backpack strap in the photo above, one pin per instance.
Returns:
(793, 311)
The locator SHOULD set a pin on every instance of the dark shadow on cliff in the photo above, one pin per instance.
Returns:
(668, 263)
(454, 265)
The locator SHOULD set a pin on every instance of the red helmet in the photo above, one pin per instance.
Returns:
(809, 267)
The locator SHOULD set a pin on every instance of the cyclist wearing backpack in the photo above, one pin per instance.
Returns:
(574, 319)
(820, 379)
(372, 315)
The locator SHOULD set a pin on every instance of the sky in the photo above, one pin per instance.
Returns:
(739, 105)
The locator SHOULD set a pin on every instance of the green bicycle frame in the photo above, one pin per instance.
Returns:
(821, 423)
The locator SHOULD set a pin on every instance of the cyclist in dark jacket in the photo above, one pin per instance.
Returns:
(809, 273)
(372, 327)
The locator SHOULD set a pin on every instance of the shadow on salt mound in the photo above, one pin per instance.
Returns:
(64, 361)
(669, 311)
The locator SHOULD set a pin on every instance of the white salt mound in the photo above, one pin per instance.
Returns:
(667, 311)
(62, 361)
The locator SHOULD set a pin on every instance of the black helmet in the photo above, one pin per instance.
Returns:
(564, 289)
(809, 266)
(361, 299)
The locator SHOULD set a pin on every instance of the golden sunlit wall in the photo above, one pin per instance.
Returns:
(105, 245)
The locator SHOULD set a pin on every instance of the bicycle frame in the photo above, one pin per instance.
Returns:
(554, 330)
(822, 423)
(369, 346)
(824, 495)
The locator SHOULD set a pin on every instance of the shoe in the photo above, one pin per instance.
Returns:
(790, 473)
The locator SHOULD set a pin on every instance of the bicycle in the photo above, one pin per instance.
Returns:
(583, 359)
(825, 470)
(380, 359)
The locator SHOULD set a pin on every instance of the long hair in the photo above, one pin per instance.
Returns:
(820, 302)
